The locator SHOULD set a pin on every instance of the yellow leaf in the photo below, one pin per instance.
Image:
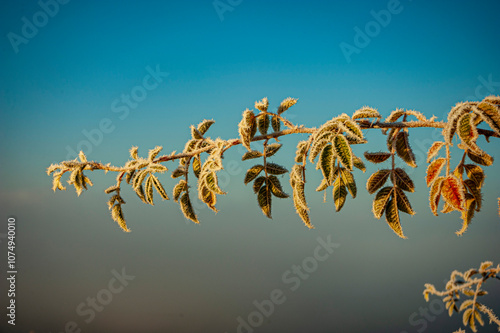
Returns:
(117, 215)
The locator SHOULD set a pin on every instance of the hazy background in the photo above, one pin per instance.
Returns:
(201, 278)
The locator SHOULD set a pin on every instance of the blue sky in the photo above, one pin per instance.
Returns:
(69, 77)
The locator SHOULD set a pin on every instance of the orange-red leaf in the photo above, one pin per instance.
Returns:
(434, 150)
(447, 208)
(435, 194)
(453, 192)
(434, 169)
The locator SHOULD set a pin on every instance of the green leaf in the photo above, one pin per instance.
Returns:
(326, 161)
(253, 172)
(377, 180)
(403, 202)
(205, 125)
(353, 130)
(475, 191)
(322, 186)
(475, 173)
(381, 200)
(208, 197)
(343, 151)
(154, 152)
(301, 150)
(378, 157)
(403, 149)
(187, 208)
(466, 129)
(212, 183)
(148, 187)
(276, 188)
(366, 112)
(130, 176)
(490, 114)
(117, 215)
(358, 163)
(197, 166)
(348, 180)
(339, 193)
(140, 193)
(299, 197)
(392, 217)
(275, 169)
(264, 200)
(316, 148)
(286, 104)
(195, 134)
(276, 123)
(133, 152)
(139, 178)
(272, 149)
(179, 172)
(480, 158)
(251, 154)
(247, 128)
(403, 180)
(263, 123)
(179, 188)
(257, 184)
(159, 187)
(262, 105)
